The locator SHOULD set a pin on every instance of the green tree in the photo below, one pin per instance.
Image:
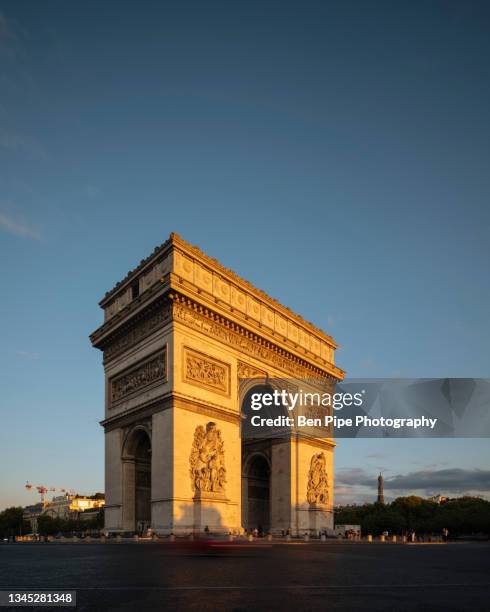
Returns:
(48, 525)
(462, 516)
(12, 522)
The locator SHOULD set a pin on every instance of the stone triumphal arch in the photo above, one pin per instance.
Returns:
(181, 333)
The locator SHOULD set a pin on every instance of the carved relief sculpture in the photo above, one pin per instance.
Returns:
(150, 372)
(207, 460)
(245, 370)
(317, 490)
(215, 329)
(205, 371)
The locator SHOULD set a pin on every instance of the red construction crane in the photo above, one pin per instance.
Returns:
(42, 490)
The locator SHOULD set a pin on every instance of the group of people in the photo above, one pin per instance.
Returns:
(352, 534)
(412, 536)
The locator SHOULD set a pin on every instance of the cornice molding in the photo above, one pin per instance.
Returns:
(217, 266)
(153, 319)
(126, 318)
(207, 409)
(196, 316)
(224, 309)
(128, 417)
(176, 245)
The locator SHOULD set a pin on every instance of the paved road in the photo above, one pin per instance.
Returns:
(296, 576)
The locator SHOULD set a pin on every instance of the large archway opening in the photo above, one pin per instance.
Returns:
(256, 460)
(137, 481)
(257, 490)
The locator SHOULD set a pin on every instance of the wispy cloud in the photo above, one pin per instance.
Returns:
(455, 480)
(367, 364)
(27, 354)
(9, 39)
(355, 476)
(356, 484)
(20, 143)
(345, 494)
(17, 80)
(18, 227)
(5, 33)
(92, 192)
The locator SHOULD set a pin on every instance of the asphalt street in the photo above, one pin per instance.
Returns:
(334, 575)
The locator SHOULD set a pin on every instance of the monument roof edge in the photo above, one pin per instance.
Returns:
(158, 250)
(177, 240)
(215, 263)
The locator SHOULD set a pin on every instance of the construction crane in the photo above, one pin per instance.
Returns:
(42, 490)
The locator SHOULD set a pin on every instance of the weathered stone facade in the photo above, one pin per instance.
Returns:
(180, 333)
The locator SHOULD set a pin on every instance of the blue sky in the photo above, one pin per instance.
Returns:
(336, 154)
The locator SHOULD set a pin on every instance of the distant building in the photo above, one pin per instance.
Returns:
(31, 513)
(438, 499)
(66, 507)
(381, 494)
(89, 515)
(70, 506)
(347, 530)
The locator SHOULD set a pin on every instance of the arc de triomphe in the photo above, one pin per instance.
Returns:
(180, 332)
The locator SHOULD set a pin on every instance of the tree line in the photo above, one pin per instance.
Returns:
(12, 523)
(461, 516)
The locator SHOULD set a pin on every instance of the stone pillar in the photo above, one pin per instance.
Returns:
(216, 507)
(113, 481)
(290, 505)
(128, 497)
(209, 512)
(280, 487)
(161, 472)
(312, 485)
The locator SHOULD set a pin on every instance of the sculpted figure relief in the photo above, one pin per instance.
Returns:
(317, 491)
(205, 372)
(207, 460)
(150, 372)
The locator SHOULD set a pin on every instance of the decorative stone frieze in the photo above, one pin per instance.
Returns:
(138, 332)
(154, 370)
(245, 370)
(244, 341)
(205, 371)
